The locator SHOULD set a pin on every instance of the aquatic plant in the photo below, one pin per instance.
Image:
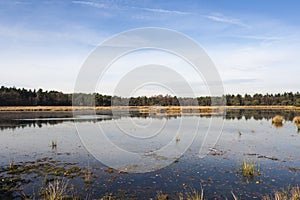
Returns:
(108, 197)
(289, 194)
(277, 121)
(87, 176)
(296, 120)
(161, 196)
(177, 138)
(194, 195)
(12, 165)
(55, 191)
(53, 144)
(249, 169)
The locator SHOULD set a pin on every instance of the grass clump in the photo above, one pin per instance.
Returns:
(297, 120)
(249, 169)
(108, 197)
(161, 196)
(55, 191)
(87, 176)
(277, 121)
(194, 195)
(289, 194)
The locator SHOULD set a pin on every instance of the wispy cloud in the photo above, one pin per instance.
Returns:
(228, 20)
(257, 37)
(264, 40)
(148, 9)
(163, 11)
(91, 3)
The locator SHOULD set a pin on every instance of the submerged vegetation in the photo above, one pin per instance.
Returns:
(58, 174)
(16, 175)
(59, 190)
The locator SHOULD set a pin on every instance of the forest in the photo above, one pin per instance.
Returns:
(12, 96)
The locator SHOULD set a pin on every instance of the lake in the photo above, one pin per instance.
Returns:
(37, 148)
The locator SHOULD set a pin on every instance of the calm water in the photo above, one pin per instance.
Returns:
(246, 135)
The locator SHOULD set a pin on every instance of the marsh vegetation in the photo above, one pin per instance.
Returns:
(277, 121)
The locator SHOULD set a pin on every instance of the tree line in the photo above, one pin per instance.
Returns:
(11, 96)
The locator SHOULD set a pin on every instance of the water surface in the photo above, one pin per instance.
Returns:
(246, 135)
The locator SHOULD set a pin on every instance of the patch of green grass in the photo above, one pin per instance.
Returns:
(249, 169)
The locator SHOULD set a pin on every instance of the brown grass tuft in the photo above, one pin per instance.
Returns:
(277, 121)
(290, 194)
(194, 195)
(161, 196)
(297, 120)
(56, 190)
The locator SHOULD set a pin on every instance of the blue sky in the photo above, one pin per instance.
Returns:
(255, 45)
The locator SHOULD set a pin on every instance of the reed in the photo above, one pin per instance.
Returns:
(53, 144)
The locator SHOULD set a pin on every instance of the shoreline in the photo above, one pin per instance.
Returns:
(142, 109)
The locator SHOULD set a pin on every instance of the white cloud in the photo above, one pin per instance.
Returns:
(91, 3)
(164, 11)
(228, 20)
(260, 37)
(255, 69)
(154, 10)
